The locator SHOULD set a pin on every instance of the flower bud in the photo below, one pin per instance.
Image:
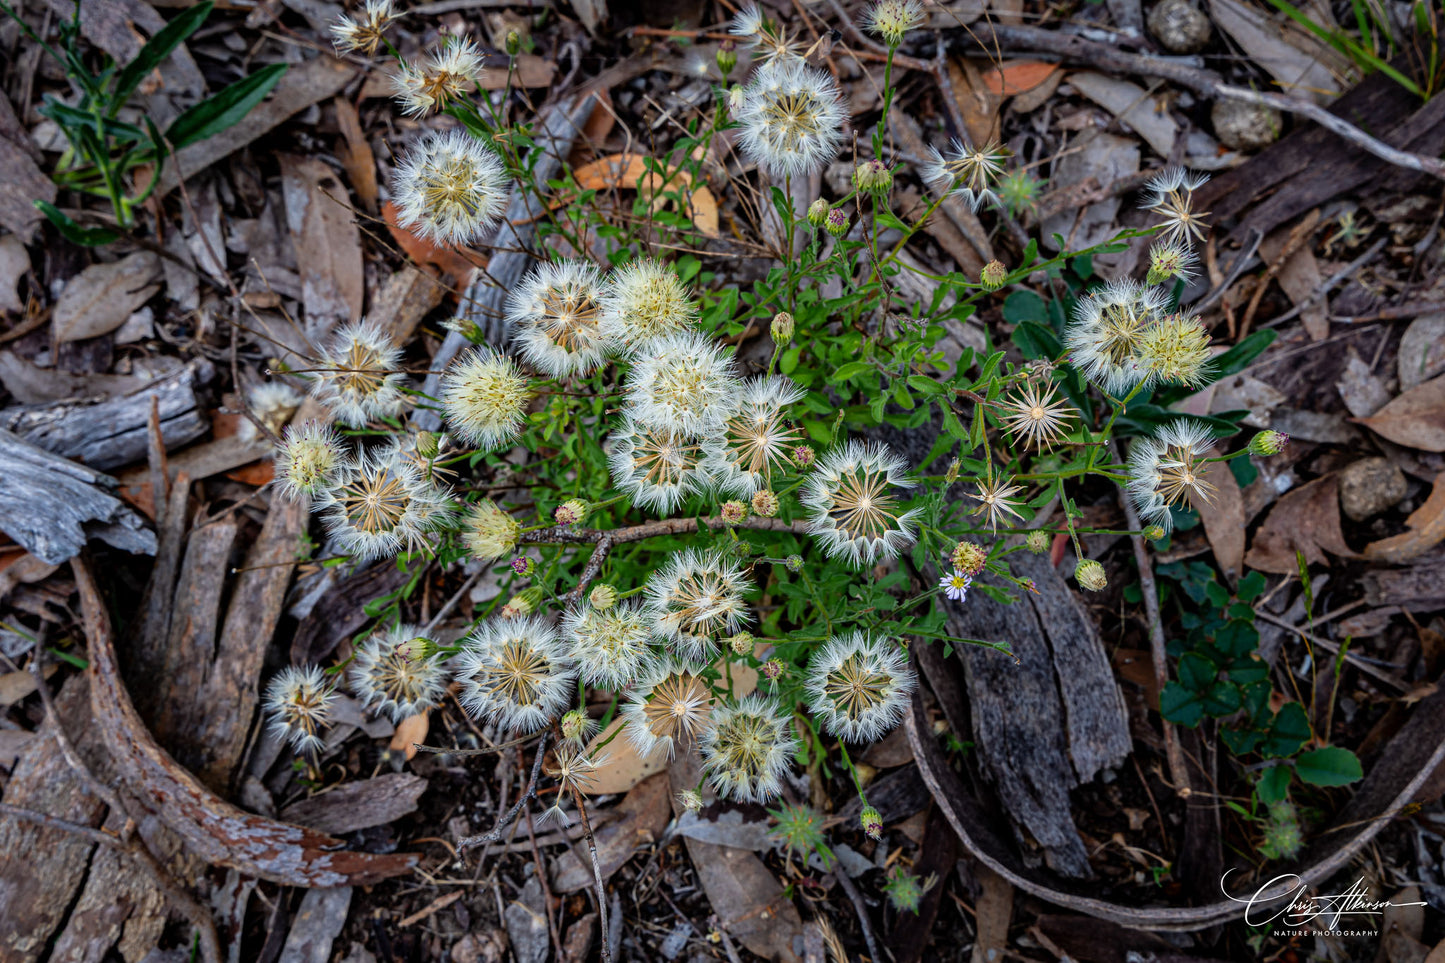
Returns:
(873, 176)
(417, 649)
(872, 821)
(524, 566)
(571, 512)
(836, 222)
(794, 563)
(727, 57)
(1090, 575)
(742, 643)
(735, 99)
(1029, 585)
(765, 503)
(734, 512)
(782, 329)
(818, 212)
(1038, 541)
(993, 275)
(427, 444)
(1268, 443)
(1154, 532)
(691, 800)
(968, 558)
(772, 670)
(513, 43)
(603, 596)
(522, 603)
(803, 456)
(573, 724)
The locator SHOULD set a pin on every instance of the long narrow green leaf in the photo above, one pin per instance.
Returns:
(157, 49)
(85, 236)
(212, 116)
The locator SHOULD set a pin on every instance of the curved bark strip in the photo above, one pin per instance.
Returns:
(1385, 792)
(215, 830)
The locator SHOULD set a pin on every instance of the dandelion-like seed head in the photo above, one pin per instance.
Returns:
(1037, 416)
(694, 598)
(966, 171)
(516, 673)
(1176, 349)
(683, 382)
(309, 459)
(611, 645)
(746, 752)
(298, 700)
(556, 317)
(669, 707)
(449, 188)
(853, 497)
(575, 770)
(272, 403)
(485, 398)
(382, 504)
(858, 684)
(363, 32)
(657, 467)
(756, 440)
(762, 34)
(446, 74)
(1109, 325)
(792, 119)
(357, 375)
(1169, 260)
(1169, 470)
(392, 674)
(642, 301)
(1171, 195)
(489, 532)
(892, 19)
(995, 498)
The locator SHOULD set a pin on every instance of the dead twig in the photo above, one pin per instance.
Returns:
(596, 873)
(861, 908)
(496, 832)
(1331, 282)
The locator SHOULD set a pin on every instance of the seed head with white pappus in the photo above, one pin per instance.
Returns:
(298, 700)
(852, 498)
(756, 441)
(1168, 470)
(449, 188)
(746, 752)
(364, 31)
(892, 19)
(489, 532)
(575, 770)
(1171, 195)
(996, 500)
(382, 504)
(556, 316)
(1037, 416)
(515, 672)
(643, 300)
(669, 706)
(967, 172)
(1106, 335)
(763, 35)
(858, 684)
(611, 645)
(309, 459)
(485, 398)
(696, 597)
(272, 403)
(393, 674)
(1175, 350)
(683, 382)
(447, 73)
(358, 377)
(792, 119)
(1169, 260)
(657, 467)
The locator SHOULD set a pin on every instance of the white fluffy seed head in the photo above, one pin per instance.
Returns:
(892, 19)
(272, 403)
(382, 504)
(747, 750)
(445, 74)
(364, 31)
(1107, 333)
(968, 172)
(358, 375)
(658, 468)
(310, 459)
(670, 706)
(516, 673)
(756, 441)
(611, 646)
(642, 301)
(485, 397)
(792, 119)
(858, 686)
(695, 598)
(450, 188)
(853, 497)
(489, 532)
(392, 675)
(684, 383)
(298, 700)
(555, 317)
(1166, 470)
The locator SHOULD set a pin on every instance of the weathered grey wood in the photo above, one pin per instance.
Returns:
(109, 434)
(52, 506)
(486, 298)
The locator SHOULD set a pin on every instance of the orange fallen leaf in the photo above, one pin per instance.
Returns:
(1017, 76)
(1426, 530)
(626, 172)
(257, 473)
(451, 262)
(409, 732)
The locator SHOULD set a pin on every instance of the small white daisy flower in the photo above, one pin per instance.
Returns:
(857, 686)
(852, 498)
(695, 598)
(298, 700)
(391, 673)
(792, 119)
(658, 468)
(516, 672)
(684, 382)
(644, 300)
(382, 504)
(611, 645)
(309, 459)
(556, 316)
(756, 441)
(485, 397)
(449, 188)
(669, 706)
(955, 586)
(747, 750)
(358, 375)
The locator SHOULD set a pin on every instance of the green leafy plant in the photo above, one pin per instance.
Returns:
(106, 150)
(1377, 39)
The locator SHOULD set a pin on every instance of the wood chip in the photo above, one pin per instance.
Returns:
(359, 805)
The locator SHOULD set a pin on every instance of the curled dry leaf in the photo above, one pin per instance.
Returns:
(213, 829)
(410, 733)
(445, 262)
(1224, 520)
(1306, 520)
(100, 298)
(1416, 419)
(1426, 530)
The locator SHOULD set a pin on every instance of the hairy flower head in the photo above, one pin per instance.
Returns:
(1169, 470)
(852, 498)
(489, 532)
(516, 673)
(556, 317)
(298, 700)
(657, 467)
(357, 375)
(683, 382)
(1171, 195)
(642, 301)
(450, 188)
(756, 441)
(485, 397)
(444, 75)
(1176, 350)
(364, 31)
(382, 504)
(309, 459)
(611, 645)
(1037, 416)
(1107, 333)
(995, 498)
(968, 172)
(746, 752)
(891, 19)
(792, 119)
(858, 685)
(669, 706)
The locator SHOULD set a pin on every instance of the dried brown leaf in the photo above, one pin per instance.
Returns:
(1224, 520)
(1416, 419)
(1017, 76)
(327, 243)
(410, 733)
(355, 154)
(625, 768)
(1306, 520)
(100, 298)
(1426, 530)
(993, 912)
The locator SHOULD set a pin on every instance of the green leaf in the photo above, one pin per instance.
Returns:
(212, 116)
(73, 232)
(1023, 306)
(1221, 699)
(1274, 785)
(158, 48)
(1237, 638)
(952, 425)
(926, 386)
(1196, 672)
(1289, 730)
(849, 371)
(1180, 706)
(1036, 340)
(1251, 586)
(1330, 766)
